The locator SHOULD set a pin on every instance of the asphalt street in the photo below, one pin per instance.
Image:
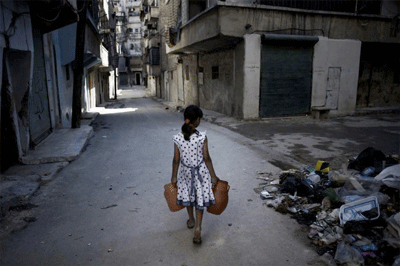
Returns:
(335, 140)
(107, 207)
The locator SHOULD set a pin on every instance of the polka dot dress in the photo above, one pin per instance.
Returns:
(194, 180)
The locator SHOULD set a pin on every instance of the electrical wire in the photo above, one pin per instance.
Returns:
(83, 7)
(62, 3)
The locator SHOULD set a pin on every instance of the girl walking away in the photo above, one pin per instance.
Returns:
(196, 174)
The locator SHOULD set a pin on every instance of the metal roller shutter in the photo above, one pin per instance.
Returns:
(286, 76)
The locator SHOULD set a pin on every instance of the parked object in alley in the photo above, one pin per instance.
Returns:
(171, 195)
(220, 191)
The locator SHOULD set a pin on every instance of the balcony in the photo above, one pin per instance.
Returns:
(152, 15)
(132, 3)
(133, 19)
(152, 42)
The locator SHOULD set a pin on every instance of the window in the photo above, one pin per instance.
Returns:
(154, 57)
(187, 72)
(215, 72)
(132, 46)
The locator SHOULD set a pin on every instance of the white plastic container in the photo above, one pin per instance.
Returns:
(353, 211)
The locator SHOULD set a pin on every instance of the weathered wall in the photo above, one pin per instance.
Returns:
(92, 41)
(14, 97)
(218, 94)
(51, 79)
(67, 39)
(229, 19)
(343, 55)
(190, 79)
(152, 84)
(173, 86)
(252, 68)
(111, 81)
(379, 82)
(198, 31)
(239, 79)
(233, 19)
(65, 54)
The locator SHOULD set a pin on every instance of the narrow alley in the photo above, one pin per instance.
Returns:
(108, 208)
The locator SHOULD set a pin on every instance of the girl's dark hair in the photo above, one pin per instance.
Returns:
(192, 113)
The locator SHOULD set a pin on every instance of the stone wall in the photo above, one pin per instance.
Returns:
(338, 95)
(379, 81)
(190, 79)
(218, 91)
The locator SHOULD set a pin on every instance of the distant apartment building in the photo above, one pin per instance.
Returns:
(151, 49)
(130, 42)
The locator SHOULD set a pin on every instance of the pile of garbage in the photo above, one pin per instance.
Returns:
(352, 214)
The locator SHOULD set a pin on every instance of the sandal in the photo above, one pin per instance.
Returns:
(190, 226)
(197, 237)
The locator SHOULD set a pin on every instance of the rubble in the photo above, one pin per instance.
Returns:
(353, 213)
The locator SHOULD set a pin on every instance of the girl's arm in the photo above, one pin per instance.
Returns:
(175, 165)
(208, 161)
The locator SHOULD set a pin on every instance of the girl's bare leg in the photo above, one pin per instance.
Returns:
(197, 231)
(190, 222)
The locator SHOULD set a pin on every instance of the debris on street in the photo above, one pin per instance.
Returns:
(352, 214)
(110, 206)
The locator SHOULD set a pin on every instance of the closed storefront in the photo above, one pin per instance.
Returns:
(286, 75)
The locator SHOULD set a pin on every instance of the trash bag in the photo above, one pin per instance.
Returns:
(289, 185)
(332, 195)
(305, 218)
(368, 157)
(325, 259)
(390, 176)
(347, 254)
(372, 229)
(347, 195)
(304, 189)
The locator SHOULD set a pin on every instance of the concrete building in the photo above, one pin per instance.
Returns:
(37, 52)
(28, 89)
(253, 59)
(151, 48)
(129, 38)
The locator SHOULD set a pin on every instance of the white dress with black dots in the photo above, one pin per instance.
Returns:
(194, 180)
